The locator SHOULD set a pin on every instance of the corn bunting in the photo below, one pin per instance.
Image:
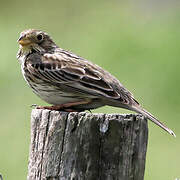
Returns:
(70, 82)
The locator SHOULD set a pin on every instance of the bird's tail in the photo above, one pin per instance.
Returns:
(148, 115)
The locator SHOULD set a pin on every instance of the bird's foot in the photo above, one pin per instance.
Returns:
(68, 107)
(34, 106)
(56, 108)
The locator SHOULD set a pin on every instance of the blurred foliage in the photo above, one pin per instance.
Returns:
(138, 42)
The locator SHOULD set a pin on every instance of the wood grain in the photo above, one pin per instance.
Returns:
(85, 146)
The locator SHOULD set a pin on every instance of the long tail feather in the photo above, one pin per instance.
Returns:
(148, 115)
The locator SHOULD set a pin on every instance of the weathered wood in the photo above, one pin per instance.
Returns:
(85, 146)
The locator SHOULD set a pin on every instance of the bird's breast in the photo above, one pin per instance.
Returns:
(49, 93)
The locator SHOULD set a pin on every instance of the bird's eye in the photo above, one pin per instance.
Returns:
(39, 37)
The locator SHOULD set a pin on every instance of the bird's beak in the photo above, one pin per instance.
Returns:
(23, 41)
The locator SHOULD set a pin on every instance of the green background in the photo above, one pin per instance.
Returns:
(137, 41)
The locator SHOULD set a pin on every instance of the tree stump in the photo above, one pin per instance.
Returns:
(85, 146)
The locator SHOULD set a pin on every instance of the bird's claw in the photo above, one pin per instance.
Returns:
(34, 106)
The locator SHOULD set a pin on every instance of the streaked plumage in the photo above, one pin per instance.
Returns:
(70, 82)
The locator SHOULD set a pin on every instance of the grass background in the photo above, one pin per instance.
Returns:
(137, 41)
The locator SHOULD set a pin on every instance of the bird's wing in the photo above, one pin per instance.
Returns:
(61, 69)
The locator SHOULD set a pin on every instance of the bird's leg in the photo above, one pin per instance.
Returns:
(57, 107)
(66, 107)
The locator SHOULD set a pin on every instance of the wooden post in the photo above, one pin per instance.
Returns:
(85, 146)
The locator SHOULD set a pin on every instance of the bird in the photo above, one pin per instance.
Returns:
(69, 82)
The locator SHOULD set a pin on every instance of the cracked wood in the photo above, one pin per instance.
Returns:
(85, 146)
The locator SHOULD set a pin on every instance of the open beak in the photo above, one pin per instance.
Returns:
(23, 41)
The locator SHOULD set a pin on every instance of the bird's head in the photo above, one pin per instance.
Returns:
(36, 40)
